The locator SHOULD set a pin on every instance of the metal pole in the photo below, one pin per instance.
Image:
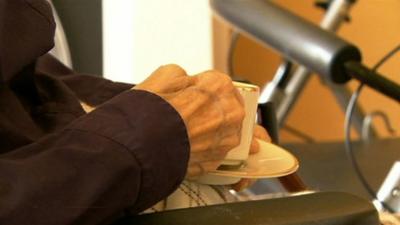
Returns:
(285, 98)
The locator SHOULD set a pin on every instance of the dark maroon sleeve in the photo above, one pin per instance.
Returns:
(129, 153)
(93, 90)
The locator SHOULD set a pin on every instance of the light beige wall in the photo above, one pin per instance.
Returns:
(141, 35)
(375, 28)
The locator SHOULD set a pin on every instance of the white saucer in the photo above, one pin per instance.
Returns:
(271, 161)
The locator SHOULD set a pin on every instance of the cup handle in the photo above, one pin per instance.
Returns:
(268, 120)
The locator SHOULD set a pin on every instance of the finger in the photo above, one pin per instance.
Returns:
(230, 137)
(194, 171)
(206, 150)
(214, 82)
(207, 127)
(261, 133)
(197, 169)
(239, 97)
(233, 110)
(255, 146)
(174, 78)
(170, 69)
(228, 143)
(166, 79)
(241, 185)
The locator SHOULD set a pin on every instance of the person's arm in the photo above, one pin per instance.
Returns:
(90, 89)
(128, 153)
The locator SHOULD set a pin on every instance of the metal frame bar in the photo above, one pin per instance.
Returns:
(285, 96)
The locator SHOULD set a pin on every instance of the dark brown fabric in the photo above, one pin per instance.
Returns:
(59, 165)
(23, 21)
(93, 90)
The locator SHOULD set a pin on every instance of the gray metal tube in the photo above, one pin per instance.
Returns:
(295, 38)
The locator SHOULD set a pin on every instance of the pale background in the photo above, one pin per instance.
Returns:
(140, 35)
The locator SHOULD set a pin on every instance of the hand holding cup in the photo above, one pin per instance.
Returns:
(211, 108)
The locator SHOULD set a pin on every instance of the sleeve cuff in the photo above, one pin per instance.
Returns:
(152, 131)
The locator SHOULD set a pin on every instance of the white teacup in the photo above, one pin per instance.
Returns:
(238, 155)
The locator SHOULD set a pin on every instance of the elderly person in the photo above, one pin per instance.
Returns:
(60, 165)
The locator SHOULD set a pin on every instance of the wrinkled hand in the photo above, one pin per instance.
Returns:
(211, 108)
(258, 133)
